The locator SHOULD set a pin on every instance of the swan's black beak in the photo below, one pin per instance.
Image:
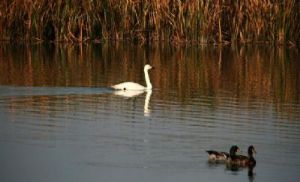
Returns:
(153, 68)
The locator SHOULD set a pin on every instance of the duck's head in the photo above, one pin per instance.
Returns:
(233, 150)
(251, 150)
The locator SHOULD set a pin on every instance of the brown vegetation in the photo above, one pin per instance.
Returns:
(199, 21)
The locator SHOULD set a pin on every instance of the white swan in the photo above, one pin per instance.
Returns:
(136, 86)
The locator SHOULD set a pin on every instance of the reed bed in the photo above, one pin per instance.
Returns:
(145, 21)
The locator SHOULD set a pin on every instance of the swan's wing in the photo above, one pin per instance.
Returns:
(129, 86)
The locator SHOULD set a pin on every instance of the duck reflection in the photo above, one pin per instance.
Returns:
(251, 174)
(135, 93)
(237, 168)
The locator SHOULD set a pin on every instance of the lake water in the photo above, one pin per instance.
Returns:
(59, 121)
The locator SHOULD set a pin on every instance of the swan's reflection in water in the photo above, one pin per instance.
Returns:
(135, 93)
(128, 93)
(147, 111)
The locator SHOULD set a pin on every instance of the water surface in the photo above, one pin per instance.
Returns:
(59, 121)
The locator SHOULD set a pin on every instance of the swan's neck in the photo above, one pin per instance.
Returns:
(148, 83)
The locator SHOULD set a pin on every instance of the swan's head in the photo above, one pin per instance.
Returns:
(147, 67)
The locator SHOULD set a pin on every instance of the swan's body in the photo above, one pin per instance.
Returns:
(136, 86)
(129, 86)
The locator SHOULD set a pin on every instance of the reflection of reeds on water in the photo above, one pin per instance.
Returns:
(245, 73)
(203, 21)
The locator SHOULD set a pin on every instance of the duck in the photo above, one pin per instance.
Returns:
(242, 160)
(136, 86)
(217, 156)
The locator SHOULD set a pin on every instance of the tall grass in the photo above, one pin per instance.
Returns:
(200, 21)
